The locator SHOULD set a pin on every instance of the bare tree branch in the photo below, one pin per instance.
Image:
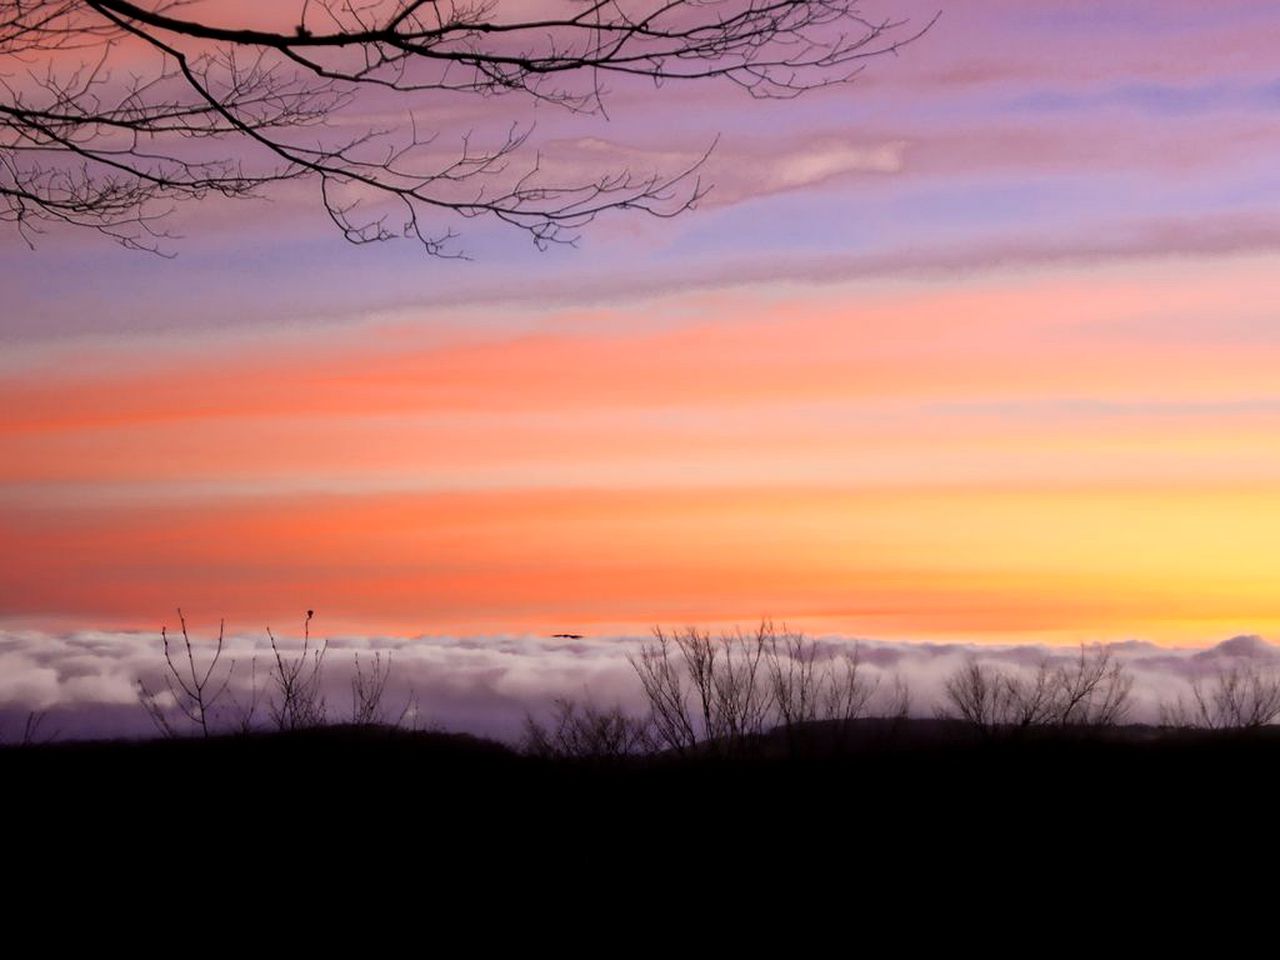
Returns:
(193, 690)
(584, 731)
(299, 702)
(724, 694)
(1093, 690)
(219, 108)
(368, 691)
(1238, 696)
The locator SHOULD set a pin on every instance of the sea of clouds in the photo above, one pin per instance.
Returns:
(85, 683)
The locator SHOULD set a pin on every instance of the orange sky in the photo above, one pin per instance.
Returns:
(1011, 456)
(983, 346)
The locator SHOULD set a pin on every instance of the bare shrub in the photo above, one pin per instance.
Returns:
(1242, 696)
(742, 699)
(368, 694)
(1030, 699)
(661, 666)
(796, 679)
(848, 693)
(585, 731)
(368, 686)
(978, 695)
(897, 702)
(811, 684)
(705, 690)
(724, 693)
(298, 702)
(1093, 690)
(193, 690)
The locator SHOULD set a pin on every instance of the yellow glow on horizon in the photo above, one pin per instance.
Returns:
(1005, 458)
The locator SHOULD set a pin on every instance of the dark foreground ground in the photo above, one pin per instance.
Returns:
(917, 810)
(919, 832)
(911, 773)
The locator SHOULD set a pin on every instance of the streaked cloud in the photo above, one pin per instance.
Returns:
(982, 347)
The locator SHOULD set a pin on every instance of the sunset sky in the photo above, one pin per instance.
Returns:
(984, 346)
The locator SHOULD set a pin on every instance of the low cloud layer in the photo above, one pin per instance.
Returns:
(86, 682)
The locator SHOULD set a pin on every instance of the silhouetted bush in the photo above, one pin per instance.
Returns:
(298, 701)
(585, 731)
(198, 689)
(1240, 696)
(1093, 690)
(723, 694)
(736, 694)
(193, 690)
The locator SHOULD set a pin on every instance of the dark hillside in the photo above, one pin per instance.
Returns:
(928, 810)
(894, 768)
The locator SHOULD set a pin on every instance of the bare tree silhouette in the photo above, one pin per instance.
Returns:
(368, 686)
(193, 690)
(112, 111)
(1092, 690)
(795, 678)
(705, 690)
(1239, 696)
(298, 702)
(661, 667)
(977, 694)
(811, 685)
(586, 731)
(368, 693)
(723, 694)
(292, 691)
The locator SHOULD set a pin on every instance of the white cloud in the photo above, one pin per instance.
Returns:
(739, 170)
(820, 162)
(487, 685)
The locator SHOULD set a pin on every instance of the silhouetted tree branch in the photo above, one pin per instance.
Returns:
(113, 111)
(725, 693)
(368, 692)
(33, 734)
(1092, 690)
(811, 685)
(368, 686)
(299, 701)
(246, 711)
(975, 693)
(1240, 696)
(703, 689)
(194, 690)
(587, 732)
